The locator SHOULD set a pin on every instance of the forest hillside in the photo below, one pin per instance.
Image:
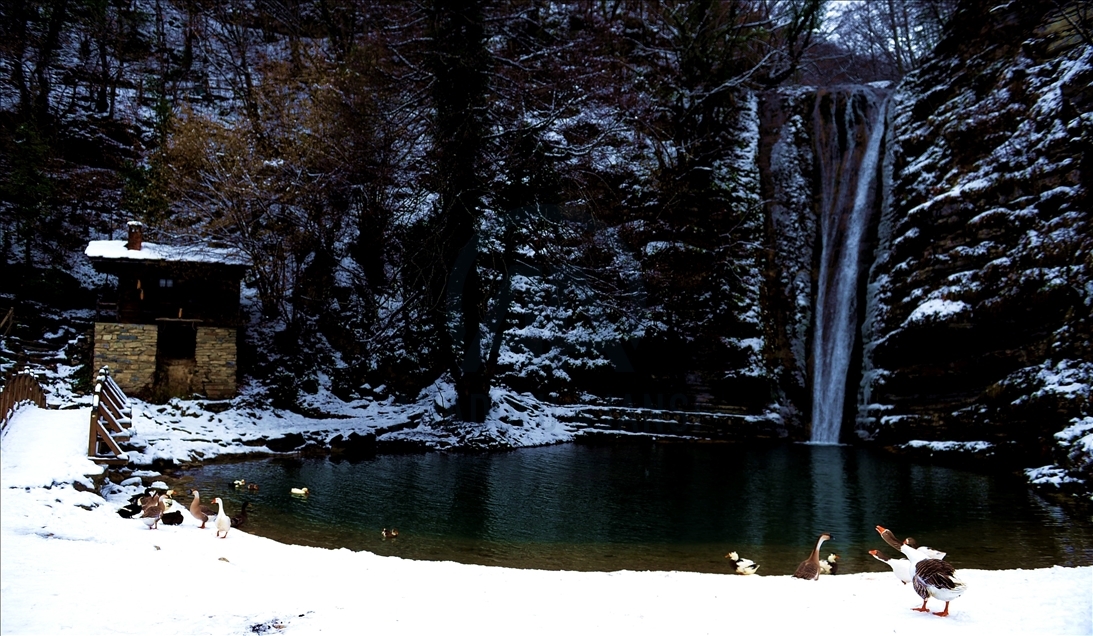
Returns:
(620, 203)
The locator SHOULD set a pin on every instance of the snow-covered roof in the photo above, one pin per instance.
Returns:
(116, 250)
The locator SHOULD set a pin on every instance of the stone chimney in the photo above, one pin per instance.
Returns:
(136, 235)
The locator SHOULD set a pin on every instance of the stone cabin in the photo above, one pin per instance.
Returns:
(171, 330)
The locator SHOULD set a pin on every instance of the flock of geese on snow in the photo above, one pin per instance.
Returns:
(924, 568)
(154, 507)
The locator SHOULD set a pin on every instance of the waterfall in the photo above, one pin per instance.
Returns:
(848, 129)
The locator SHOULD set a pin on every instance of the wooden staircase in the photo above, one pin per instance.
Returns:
(111, 419)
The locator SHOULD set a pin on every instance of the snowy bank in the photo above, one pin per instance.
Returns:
(70, 564)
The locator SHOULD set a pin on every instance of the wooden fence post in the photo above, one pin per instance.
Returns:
(110, 416)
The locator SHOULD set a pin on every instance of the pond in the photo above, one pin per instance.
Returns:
(650, 506)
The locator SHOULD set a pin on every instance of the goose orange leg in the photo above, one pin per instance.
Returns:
(944, 612)
(923, 608)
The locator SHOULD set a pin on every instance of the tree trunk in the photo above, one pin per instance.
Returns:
(458, 65)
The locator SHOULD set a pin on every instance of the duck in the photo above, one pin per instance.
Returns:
(809, 569)
(302, 492)
(153, 510)
(240, 483)
(389, 534)
(239, 520)
(134, 507)
(900, 567)
(223, 521)
(742, 566)
(933, 577)
(173, 518)
(890, 538)
(199, 511)
(252, 487)
(830, 565)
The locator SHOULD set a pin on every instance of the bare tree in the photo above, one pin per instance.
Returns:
(890, 37)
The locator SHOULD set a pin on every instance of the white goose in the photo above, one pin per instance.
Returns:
(890, 538)
(900, 567)
(223, 521)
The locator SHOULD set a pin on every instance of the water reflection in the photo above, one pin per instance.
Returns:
(652, 506)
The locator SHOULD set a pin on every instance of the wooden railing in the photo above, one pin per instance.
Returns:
(111, 419)
(21, 388)
(7, 321)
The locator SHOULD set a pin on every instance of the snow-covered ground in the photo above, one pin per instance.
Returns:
(70, 564)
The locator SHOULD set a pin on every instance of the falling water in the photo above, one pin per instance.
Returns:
(849, 127)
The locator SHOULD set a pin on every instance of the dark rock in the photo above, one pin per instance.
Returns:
(289, 442)
(401, 447)
(353, 446)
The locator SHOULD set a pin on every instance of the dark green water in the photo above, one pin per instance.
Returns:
(651, 506)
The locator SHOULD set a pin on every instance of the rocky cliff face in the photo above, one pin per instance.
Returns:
(979, 298)
(975, 324)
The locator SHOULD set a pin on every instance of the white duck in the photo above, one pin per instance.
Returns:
(742, 566)
(300, 492)
(933, 577)
(830, 565)
(223, 521)
(900, 567)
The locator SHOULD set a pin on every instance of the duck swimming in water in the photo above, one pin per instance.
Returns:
(809, 569)
(300, 492)
(238, 521)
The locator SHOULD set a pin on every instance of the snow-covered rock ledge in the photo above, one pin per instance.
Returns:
(1074, 456)
(187, 432)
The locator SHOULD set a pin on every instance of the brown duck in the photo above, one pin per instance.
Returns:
(199, 511)
(153, 510)
(809, 569)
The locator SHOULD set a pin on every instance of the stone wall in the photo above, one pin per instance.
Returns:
(130, 352)
(215, 354)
